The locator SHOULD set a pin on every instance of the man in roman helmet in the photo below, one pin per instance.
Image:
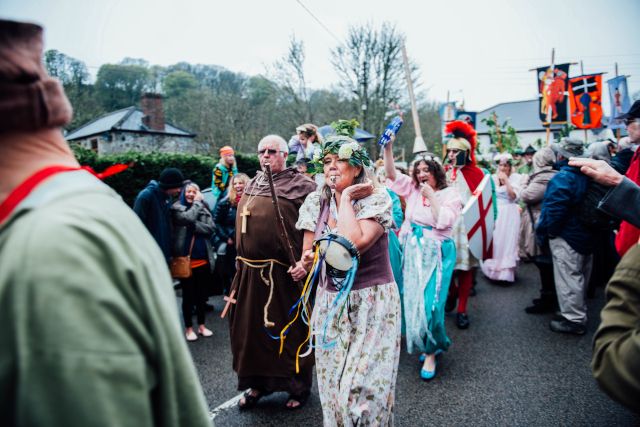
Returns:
(465, 176)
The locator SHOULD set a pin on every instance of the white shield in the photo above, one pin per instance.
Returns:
(478, 220)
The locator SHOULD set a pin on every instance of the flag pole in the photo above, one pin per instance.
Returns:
(584, 82)
(553, 56)
(617, 130)
(418, 144)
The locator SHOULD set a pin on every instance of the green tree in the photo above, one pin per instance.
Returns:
(503, 136)
(178, 82)
(120, 86)
(68, 70)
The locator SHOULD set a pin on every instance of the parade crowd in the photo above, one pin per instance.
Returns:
(324, 265)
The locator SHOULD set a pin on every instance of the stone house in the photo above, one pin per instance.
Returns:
(134, 129)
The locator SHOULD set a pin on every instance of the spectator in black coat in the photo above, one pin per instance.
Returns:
(152, 206)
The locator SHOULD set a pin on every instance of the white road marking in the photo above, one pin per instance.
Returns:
(226, 405)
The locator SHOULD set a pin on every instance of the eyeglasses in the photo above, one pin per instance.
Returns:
(271, 151)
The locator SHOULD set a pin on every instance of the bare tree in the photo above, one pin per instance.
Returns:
(288, 74)
(370, 68)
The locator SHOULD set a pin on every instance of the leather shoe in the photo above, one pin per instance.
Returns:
(462, 321)
(567, 327)
(541, 308)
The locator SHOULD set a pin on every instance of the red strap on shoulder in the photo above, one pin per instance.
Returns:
(24, 189)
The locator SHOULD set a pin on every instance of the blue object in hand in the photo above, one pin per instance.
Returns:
(391, 130)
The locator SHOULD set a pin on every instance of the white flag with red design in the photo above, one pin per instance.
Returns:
(478, 220)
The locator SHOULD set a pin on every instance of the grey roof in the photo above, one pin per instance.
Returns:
(125, 120)
(522, 115)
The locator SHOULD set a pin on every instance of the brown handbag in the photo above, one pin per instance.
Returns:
(180, 266)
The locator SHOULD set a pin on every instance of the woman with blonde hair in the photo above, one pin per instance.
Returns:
(356, 319)
(224, 216)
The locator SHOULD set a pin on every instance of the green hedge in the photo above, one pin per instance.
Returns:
(147, 166)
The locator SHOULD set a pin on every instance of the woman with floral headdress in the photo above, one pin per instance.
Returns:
(502, 266)
(357, 370)
(429, 253)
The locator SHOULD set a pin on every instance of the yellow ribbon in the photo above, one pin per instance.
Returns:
(284, 330)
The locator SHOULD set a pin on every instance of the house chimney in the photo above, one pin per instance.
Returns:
(152, 109)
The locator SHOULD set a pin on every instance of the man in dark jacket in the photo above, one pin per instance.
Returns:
(152, 206)
(571, 244)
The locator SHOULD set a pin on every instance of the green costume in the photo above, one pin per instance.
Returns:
(89, 330)
(616, 344)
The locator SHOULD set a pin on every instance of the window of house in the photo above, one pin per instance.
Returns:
(94, 144)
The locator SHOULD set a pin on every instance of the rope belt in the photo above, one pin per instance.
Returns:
(262, 264)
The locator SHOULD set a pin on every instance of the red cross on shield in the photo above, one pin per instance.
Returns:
(478, 220)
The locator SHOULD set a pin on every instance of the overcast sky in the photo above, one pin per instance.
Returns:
(477, 50)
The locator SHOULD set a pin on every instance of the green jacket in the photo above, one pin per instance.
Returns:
(89, 329)
(616, 344)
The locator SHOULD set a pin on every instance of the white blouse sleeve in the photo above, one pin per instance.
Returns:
(377, 207)
(309, 212)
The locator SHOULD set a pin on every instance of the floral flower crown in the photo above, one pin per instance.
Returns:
(343, 145)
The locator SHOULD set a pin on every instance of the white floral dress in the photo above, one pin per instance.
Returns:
(357, 377)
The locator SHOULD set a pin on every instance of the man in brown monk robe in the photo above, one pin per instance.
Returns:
(264, 290)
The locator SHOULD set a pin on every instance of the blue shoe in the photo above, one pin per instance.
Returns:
(427, 375)
(423, 356)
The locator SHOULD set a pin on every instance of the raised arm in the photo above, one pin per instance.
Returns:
(389, 164)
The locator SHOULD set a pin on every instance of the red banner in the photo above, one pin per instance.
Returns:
(585, 101)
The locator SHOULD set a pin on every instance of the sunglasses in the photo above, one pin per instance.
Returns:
(427, 158)
(271, 151)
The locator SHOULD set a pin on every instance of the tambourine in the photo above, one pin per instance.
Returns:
(338, 253)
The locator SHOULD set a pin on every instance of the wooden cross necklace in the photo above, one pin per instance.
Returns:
(260, 182)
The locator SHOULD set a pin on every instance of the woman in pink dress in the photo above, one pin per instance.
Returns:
(502, 266)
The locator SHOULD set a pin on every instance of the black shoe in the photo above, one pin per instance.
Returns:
(462, 321)
(567, 327)
(450, 304)
(541, 308)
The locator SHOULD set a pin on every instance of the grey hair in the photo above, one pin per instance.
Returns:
(284, 147)
(191, 184)
(625, 142)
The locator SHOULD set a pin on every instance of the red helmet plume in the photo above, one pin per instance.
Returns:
(461, 129)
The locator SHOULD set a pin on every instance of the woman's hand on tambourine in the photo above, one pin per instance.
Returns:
(298, 272)
(358, 191)
(307, 259)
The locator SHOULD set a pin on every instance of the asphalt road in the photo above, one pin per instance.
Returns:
(508, 368)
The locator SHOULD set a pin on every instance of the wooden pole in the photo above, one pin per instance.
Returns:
(617, 130)
(418, 144)
(548, 133)
(553, 64)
